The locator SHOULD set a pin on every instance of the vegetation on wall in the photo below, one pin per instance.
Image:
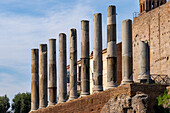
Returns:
(163, 103)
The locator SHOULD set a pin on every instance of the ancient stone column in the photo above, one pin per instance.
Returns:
(127, 65)
(111, 48)
(43, 76)
(52, 83)
(34, 79)
(73, 64)
(62, 69)
(97, 53)
(144, 62)
(85, 61)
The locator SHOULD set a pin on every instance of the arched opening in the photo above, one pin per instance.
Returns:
(157, 3)
(141, 8)
(153, 5)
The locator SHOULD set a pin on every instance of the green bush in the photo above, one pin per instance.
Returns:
(4, 104)
(162, 100)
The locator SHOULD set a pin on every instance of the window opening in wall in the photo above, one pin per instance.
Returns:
(161, 3)
(79, 78)
(153, 4)
(149, 5)
(141, 7)
(157, 3)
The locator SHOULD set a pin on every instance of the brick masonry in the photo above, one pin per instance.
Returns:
(153, 26)
(94, 103)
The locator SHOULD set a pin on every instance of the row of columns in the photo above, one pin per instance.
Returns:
(39, 93)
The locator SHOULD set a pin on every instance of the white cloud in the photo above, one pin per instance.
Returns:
(21, 32)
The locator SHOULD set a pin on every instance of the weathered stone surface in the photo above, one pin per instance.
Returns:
(111, 48)
(153, 26)
(126, 104)
(52, 80)
(43, 76)
(95, 102)
(34, 79)
(127, 65)
(85, 60)
(62, 70)
(144, 62)
(73, 64)
(97, 53)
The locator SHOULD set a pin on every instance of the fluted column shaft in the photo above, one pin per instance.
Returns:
(62, 69)
(97, 53)
(34, 79)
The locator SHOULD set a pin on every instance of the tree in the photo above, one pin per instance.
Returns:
(4, 104)
(21, 103)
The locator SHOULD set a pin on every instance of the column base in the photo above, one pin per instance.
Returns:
(110, 85)
(52, 103)
(71, 98)
(84, 94)
(126, 81)
(41, 107)
(31, 111)
(97, 88)
(61, 101)
(145, 78)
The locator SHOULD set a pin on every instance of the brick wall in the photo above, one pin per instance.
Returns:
(153, 26)
(119, 68)
(94, 103)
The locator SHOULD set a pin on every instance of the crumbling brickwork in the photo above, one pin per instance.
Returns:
(95, 102)
(153, 26)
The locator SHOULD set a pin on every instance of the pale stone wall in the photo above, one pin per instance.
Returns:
(104, 56)
(153, 26)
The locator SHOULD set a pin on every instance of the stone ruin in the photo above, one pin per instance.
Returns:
(39, 87)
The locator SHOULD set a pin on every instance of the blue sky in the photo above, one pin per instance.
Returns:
(24, 24)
